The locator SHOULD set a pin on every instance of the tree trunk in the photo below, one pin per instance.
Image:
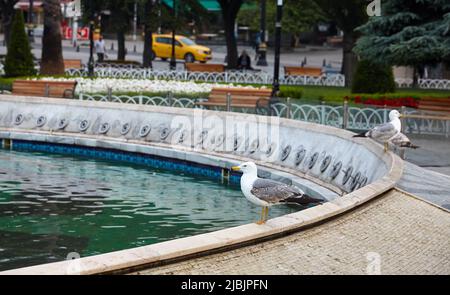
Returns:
(230, 37)
(230, 9)
(7, 11)
(350, 60)
(52, 62)
(149, 17)
(121, 45)
(147, 56)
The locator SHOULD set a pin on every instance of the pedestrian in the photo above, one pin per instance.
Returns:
(244, 61)
(100, 49)
(257, 45)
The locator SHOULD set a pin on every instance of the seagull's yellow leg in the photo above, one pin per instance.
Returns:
(267, 214)
(386, 147)
(261, 219)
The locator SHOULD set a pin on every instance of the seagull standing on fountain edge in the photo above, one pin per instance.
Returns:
(266, 192)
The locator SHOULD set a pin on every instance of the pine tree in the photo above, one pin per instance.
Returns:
(19, 60)
(409, 33)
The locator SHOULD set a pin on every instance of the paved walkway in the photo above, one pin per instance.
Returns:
(409, 235)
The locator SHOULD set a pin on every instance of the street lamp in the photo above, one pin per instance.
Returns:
(173, 61)
(276, 74)
(262, 46)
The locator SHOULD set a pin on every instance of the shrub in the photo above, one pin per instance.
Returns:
(19, 60)
(371, 77)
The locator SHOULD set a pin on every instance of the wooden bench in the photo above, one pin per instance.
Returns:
(73, 64)
(238, 97)
(441, 105)
(61, 89)
(302, 71)
(208, 68)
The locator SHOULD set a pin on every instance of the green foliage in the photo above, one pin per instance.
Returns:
(298, 15)
(371, 77)
(348, 14)
(409, 32)
(19, 60)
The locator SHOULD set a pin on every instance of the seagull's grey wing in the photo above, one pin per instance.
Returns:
(382, 132)
(273, 191)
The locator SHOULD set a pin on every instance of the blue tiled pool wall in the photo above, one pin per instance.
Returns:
(152, 161)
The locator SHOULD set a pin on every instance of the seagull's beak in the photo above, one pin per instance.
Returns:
(236, 168)
(401, 116)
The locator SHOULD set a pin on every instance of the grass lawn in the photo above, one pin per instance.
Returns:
(337, 94)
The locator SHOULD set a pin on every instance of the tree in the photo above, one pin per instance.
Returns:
(150, 21)
(19, 60)
(348, 15)
(298, 16)
(230, 9)
(52, 62)
(121, 13)
(409, 33)
(7, 15)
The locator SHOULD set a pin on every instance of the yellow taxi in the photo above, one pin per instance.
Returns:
(185, 48)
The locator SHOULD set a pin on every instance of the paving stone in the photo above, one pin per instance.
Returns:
(411, 237)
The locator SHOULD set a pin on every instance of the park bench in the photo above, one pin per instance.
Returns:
(237, 97)
(302, 71)
(208, 68)
(73, 64)
(435, 104)
(334, 40)
(63, 89)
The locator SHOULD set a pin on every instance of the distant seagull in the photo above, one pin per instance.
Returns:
(402, 141)
(386, 132)
(266, 192)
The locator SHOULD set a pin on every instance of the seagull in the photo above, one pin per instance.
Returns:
(266, 192)
(402, 141)
(385, 132)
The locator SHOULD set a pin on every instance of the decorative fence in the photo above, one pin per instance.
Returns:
(246, 77)
(340, 116)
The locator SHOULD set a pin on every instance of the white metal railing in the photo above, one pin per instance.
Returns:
(247, 77)
(341, 116)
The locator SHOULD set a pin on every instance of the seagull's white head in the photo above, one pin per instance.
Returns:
(394, 114)
(246, 168)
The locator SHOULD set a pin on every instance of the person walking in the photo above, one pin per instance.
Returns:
(100, 49)
(257, 44)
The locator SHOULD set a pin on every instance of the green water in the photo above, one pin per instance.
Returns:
(52, 205)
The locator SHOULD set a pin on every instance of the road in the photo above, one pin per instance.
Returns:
(315, 55)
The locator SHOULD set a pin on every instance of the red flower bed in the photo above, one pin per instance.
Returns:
(411, 102)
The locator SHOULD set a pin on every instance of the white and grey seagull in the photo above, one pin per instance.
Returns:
(402, 141)
(384, 133)
(267, 192)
